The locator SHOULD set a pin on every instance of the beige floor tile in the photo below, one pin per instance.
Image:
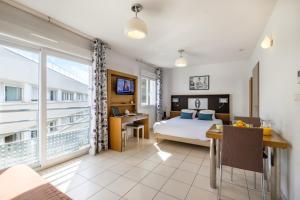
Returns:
(105, 195)
(136, 173)
(155, 181)
(163, 196)
(148, 165)
(133, 161)
(68, 182)
(140, 192)
(84, 191)
(184, 176)
(105, 178)
(172, 162)
(206, 163)
(194, 160)
(120, 168)
(164, 170)
(91, 172)
(204, 171)
(197, 193)
(256, 195)
(176, 189)
(237, 178)
(192, 167)
(235, 192)
(121, 186)
(203, 182)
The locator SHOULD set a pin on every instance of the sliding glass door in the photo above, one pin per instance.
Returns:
(19, 98)
(44, 105)
(68, 107)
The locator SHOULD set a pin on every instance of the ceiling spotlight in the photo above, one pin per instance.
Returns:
(267, 42)
(181, 61)
(136, 28)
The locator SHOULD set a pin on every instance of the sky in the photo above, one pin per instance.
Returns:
(71, 69)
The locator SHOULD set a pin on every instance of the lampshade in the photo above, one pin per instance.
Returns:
(136, 28)
(181, 61)
(267, 42)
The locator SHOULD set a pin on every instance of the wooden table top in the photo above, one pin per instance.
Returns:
(275, 140)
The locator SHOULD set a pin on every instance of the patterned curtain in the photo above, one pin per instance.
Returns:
(159, 100)
(99, 134)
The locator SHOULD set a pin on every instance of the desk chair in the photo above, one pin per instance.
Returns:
(242, 148)
(137, 128)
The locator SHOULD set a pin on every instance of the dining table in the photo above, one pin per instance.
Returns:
(275, 142)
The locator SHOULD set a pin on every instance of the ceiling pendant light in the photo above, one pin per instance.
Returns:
(181, 61)
(136, 28)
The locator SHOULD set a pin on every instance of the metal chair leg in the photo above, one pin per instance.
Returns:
(220, 183)
(262, 187)
(254, 180)
(231, 175)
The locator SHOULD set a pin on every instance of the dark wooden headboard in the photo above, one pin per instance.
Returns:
(213, 102)
(222, 110)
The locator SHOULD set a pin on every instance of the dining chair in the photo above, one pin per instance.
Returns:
(242, 148)
(255, 122)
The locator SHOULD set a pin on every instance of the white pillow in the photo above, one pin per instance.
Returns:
(209, 112)
(190, 111)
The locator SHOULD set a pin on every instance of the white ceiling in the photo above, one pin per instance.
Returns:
(211, 31)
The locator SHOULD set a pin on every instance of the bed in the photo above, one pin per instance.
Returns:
(192, 131)
(22, 183)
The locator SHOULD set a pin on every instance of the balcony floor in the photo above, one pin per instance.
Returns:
(165, 171)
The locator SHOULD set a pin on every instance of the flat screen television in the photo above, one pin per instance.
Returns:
(125, 86)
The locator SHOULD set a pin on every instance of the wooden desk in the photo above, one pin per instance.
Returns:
(275, 142)
(115, 128)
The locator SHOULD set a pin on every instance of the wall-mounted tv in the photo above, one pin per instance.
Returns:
(125, 86)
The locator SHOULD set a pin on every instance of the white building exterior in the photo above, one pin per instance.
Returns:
(67, 106)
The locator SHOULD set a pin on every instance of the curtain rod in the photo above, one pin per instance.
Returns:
(47, 18)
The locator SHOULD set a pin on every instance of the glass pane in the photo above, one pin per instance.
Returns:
(19, 137)
(144, 87)
(152, 93)
(13, 93)
(68, 114)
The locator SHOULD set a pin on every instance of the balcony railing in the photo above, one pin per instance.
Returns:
(20, 152)
(27, 151)
(67, 137)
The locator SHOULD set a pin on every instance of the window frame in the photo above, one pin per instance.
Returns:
(13, 86)
(42, 127)
(148, 92)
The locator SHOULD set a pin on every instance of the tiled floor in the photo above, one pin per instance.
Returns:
(165, 171)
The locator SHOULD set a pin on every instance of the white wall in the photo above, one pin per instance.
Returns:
(128, 65)
(225, 78)
(278, 86)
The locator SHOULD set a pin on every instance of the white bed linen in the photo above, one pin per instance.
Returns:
(185, 128)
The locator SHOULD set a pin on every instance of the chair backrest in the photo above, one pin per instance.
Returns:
(243, 148)
(255, 121)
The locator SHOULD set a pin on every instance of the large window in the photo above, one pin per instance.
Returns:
(35, 117)
(69, 119)
(13, 93)
(148, 92)
(19, 109)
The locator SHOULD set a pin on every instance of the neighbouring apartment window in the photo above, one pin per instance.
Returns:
(34, 93)
(13, 93)
(10, 138)
(67, 96)
(52, 126)
(148, 92)
(53, 95)
(79, 97)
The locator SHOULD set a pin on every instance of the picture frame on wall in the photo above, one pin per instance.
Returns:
(199, 82)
